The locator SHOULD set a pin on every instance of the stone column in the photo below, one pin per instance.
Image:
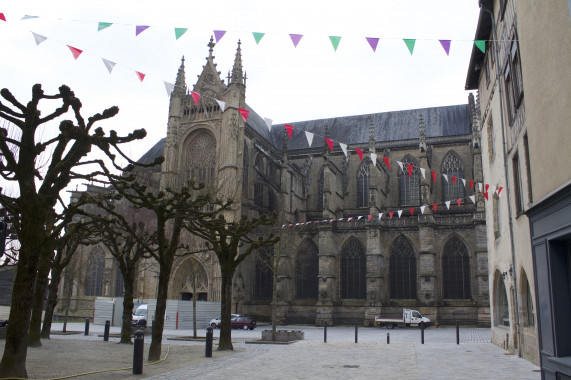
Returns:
(327, 277)
(375, 275)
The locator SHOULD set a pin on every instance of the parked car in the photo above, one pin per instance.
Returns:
(139, 317)
(214, 323)
(244, 322)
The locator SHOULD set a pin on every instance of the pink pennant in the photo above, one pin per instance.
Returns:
(140, 29)
(410, 167)
(329, 143)
(373, 42)
(2, 17)
(459, 201)
(360, 153)
(76, 52)
(454, 179)
(411, 211)
(141, 76)
(387, 162)
(433, 176)
(485, 195)
(471, 183)
(435, 206)
(391, 213)
(349, 218)
(219, 34)
(445, 45)
(244, 113)
(195, 96)
(295, 38)
(289, 130)
(369, 217)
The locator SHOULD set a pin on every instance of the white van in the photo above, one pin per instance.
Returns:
(140, 316)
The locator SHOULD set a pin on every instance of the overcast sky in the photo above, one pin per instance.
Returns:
(284, 83)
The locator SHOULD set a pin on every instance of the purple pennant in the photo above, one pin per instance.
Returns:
(446, 45)
(219, 34)
(140, 29)
(373, 42)
(295, 38)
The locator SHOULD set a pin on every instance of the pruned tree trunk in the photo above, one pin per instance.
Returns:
(127, 308)
(157, 337)
(38, 305)
(67, 303)
(225, 342)
(274, 301)
(51, 304)
(194, 297)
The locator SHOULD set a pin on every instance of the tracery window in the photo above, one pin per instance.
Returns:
(94, 273)
(456, 269)
(363, 185)
(264, 276)
(409, 186)
(202, 158)
(306, 270)
(353, 270)
(402, 269)
(452, 167)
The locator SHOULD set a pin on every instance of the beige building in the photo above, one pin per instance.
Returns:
(524, 83)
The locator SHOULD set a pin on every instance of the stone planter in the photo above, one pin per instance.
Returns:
(283, 335)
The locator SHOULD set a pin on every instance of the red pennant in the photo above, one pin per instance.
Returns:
(410, 170)
(459, 201)
(471, 185)
(411, 211)
(486, 190)
(76, 52)
(329, 143)
(391, 214)
(195, 96)
(360, 153)
(141, 76)
(2, 17)
(387, 162)
(244, 113)
(485, 195)
(434, 176)
(499, 190)
(369, 217)
(435, 206)
(454, 180)
(289, 129)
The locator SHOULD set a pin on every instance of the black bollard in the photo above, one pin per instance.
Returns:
(106, 331)
(324, 332)
(138, 349)
(356, 333)
(388, 338)
(86, 326)
(422, 333)
(209, 338)
(457, 332)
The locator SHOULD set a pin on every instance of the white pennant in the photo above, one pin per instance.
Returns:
(380, 215)
(463, 181)
(343, 148)
(221, 104)
(447, 203)
(423, 172)
(297, 224)
(359, 217)
(268, 123)
(110, 65)
(480, 186)
(39, 39)
(422, 209)
(374, 158)
(473, 198)
(399, 212)
(168, 86)
(445, 177)
(283, 226)
(400, 164)
(309, 137)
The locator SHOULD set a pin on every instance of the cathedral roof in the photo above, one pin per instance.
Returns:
(154, 152)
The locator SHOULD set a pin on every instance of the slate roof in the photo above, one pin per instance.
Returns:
(154, 152)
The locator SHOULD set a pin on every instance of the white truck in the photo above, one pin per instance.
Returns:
(409, 318)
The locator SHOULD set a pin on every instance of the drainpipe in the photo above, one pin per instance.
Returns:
(507, 184)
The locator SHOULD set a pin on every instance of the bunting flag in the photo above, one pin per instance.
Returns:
(373, 42)
(435, 206)
(391, 213)
(218, 34)
(169, 87)
(2, 17)
(178, 32)
(463, 181)
(374, 158)
(268, 123)
(222, 105)
(499, 190)
(447, 203)
(454, 179)
(335, 41)
(28, 17)
(487, 187)
(409, 44)
(329, 144)
(258, 37)
(471, 183)
(369, 217)
(399, 212)
(309, 137)
(75, 51)
(411, 211)
(295, 38)
(480, 186)
(244, 114)
(103, 25)
(387, 162)
(473, 199)
(410, 167)
(343, 148)
(481, 44)
(39, 39)
(359, 217)
(110, 65)
(289, 130)
(350, 219)
(140, 29)
(446, 46)
(445, 177)
(423, 172)
(422, 209)
(195, 96)
(400, 165)
(141, 76)
(380, 215)
(360, 154)
(459, 201)
(485, 195)
(433, 176)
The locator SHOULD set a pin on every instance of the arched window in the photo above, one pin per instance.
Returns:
(94, 273)
(202, 158)
(259, 193)
(119, 283)
(402, 269)
(456, 269)
(363, 185)
(353, 285)
(259, 163)
(245, 173)
(452, 167)
(264, 276)
(501, 308)
(527, 302)
(320, 188)
(306, 270)
(409, 186)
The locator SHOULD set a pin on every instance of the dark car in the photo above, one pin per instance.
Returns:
(214, 323)
(243, 322)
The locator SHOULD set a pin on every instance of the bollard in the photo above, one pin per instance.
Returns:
(422, 333)
(86, 326)
(388, 338)
(138, 348)
(324, 332)
(457, 332)
(356, 333)
(209, 338)
(106, 331)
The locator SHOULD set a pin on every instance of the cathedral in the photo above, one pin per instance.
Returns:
(377, 212)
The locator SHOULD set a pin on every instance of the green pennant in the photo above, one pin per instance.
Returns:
(103, 25)
(178, 32)
(335, 41)
(481, 44)
(258, 37)
(409, 44)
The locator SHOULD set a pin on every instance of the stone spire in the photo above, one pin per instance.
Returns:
(237, 76)
(211, 45)
(180, 83)
(422, 136)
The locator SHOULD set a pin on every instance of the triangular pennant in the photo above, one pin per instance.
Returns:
(329, 143)
(359, 217)
(244, 114)
(359, 153)
(486, 186)
(463, 181)
(433, 176)
(485, 195)
(454, 179)
(471, 183)
(289, 129)
(103, 25)
(459, 201)
(387, 162)
(445, 177)
(374, 158)
(295, 38)
(221, 104)
(218, 34)
(473, 198)
(283, 225)
(340, 219)
(423, 172)
(110, 65)
(169, 87)
(369, 217)
(400, 165)
(391, 213)
(349, 218)
(373, 42)
(380, 215)
(258, 37)
(447, 203)
(141, 76)
(335, 41)
(481, 44)
(39, 39)
(409, 44)
(195, 97)
(140, 29)
(435, 206)
(343, 148)
(411, 211)
(2, 17)
(76, 52)
(445, 45)
(399, 212)
(268, 123)
(410, 167)
(422, 209)
(28, 17)
(499, 190)
(178, 32)
(480, 186)
(309, 137)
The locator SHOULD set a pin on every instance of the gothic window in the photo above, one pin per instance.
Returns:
(306, 270)
(259, 194)
(353, 270)
(119, 283)
(501, 308)
(409, 186)
(94, 273)
(456, 269)
(264, 276)
(259, 163)
(527, 302)
(363, 185)
(402, 269)
(202, 154)
(245, 168)
(452, 167)
(320, 188)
